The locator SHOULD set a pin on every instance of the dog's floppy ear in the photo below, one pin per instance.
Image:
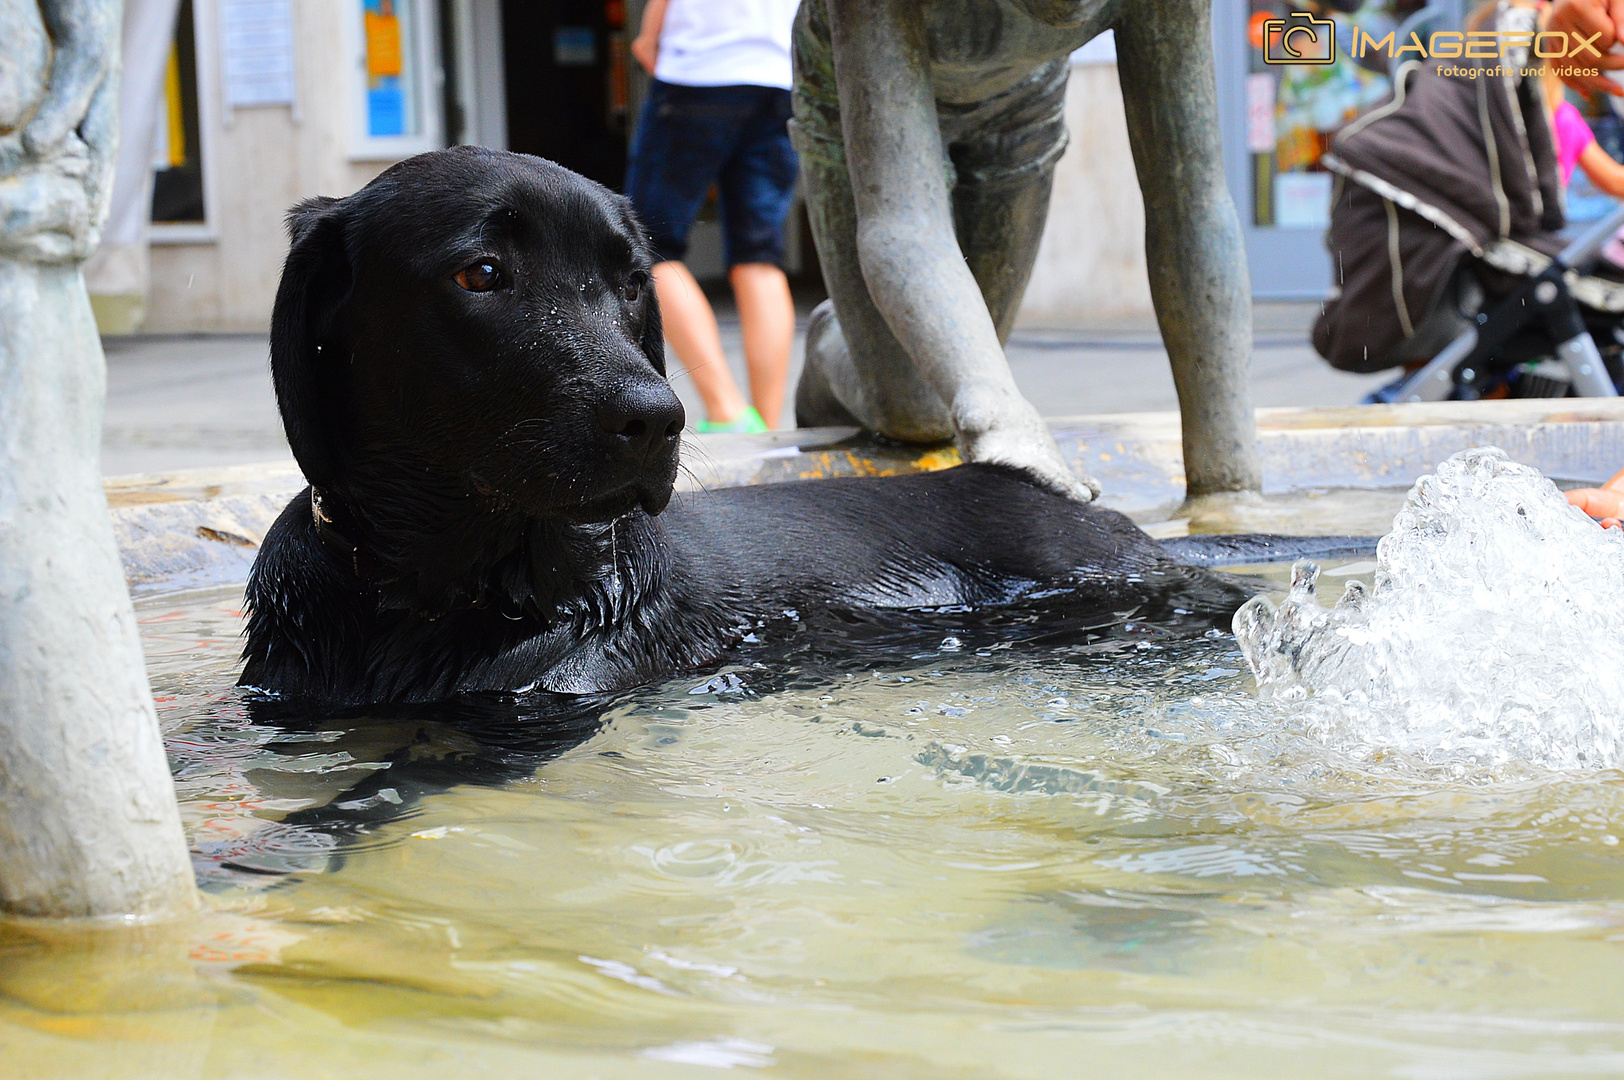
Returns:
(307, 373)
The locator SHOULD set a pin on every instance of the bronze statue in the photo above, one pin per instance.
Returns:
(928, 132)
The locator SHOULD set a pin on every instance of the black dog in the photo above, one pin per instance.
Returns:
(468, 360)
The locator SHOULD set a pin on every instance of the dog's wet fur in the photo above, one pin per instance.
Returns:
(468, 360)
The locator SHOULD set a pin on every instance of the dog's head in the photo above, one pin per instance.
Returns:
(482, 319)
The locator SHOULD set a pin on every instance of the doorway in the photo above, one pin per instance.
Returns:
(568, 85)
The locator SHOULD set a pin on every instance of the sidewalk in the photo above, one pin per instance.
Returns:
(189, 402)
(1123, 368)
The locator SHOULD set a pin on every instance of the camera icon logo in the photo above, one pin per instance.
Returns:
(1300, 38)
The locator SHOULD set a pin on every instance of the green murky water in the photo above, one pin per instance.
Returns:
(1090, 857)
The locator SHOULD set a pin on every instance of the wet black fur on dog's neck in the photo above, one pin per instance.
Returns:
(431, 545)
(446, 604)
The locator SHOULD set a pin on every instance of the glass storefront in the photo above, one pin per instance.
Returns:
(1279, 117)
(177, 153)
(1292, 110)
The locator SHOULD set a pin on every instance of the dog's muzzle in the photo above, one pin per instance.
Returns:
(643, 422)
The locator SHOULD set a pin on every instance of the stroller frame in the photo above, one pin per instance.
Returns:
(1543, 300)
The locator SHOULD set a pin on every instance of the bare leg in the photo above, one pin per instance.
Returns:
(767, 323)
(690, 328)
(1193, 245)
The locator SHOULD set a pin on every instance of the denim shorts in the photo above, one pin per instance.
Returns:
(690, 137)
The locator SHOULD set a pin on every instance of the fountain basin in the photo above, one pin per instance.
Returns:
(980, 854)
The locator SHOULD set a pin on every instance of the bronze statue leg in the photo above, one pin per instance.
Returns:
(1198, 276)
(89, 827)
(999, 225)
(894, 211)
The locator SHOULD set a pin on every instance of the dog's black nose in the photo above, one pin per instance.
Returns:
(642, 418)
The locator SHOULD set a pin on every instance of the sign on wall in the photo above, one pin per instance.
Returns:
(256, 52)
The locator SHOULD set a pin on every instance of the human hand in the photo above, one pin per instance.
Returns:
(1605, 503)
(1603, 18)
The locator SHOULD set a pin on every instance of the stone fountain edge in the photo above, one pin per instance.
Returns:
(202, 527)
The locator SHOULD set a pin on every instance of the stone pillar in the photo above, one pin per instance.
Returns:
(88, 821)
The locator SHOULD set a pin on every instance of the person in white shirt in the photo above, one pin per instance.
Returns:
(716, 115)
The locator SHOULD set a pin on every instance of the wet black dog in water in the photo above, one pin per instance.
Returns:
(468, 360)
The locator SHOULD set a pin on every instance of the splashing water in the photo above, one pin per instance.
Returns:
(1494, 631)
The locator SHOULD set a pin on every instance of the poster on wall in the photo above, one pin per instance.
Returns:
(390, 108)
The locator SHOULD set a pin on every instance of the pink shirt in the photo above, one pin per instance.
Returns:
(1572, 136)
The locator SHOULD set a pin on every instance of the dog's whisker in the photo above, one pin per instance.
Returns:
(699, 484)
(687, 469)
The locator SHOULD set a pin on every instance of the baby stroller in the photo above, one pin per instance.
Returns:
(1444, 241)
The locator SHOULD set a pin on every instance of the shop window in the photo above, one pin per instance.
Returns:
(396, 104)
(1293, 110)
(177, 190)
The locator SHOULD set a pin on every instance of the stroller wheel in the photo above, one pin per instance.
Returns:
(1541, 379)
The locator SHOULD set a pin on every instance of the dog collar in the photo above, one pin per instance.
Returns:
(330, 535)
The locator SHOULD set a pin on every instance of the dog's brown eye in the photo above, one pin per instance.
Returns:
(481, 276)
(632, 290)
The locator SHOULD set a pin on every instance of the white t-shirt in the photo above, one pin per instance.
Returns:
(726, 43)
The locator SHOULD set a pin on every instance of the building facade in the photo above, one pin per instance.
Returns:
(267, 102)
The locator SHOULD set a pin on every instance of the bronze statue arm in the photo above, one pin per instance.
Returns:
(906, 246)
(84, 34)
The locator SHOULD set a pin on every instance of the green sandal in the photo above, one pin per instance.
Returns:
(749, 422)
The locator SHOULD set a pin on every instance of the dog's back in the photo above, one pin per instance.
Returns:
(662, 595)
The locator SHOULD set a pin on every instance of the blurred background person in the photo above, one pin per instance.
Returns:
(1576, 145)
(716, 117)
(1601, 24)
